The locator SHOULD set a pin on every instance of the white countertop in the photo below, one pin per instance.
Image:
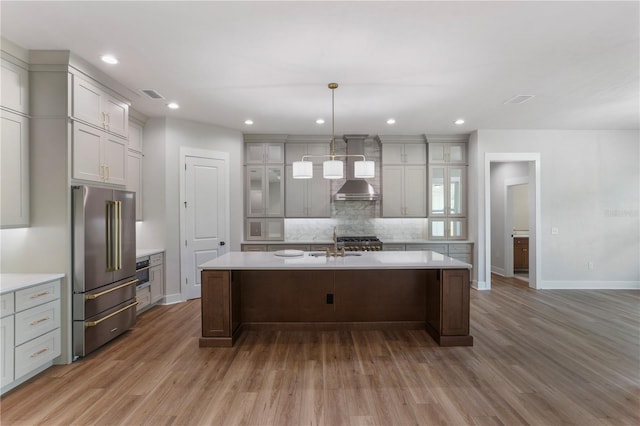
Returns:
(147, 252)
(368, 260)
(13, 282)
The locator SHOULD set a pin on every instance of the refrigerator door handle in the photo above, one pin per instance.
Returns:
(118, 235)
(109, 229)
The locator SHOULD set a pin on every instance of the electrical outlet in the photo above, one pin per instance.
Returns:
(554, 231)
(590, 265)
(329, 298)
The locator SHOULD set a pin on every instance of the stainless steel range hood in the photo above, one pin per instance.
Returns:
(355, 189)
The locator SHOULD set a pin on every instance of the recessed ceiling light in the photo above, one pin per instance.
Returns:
(173, 105)
(391, 121)
(109, 59)
(248, 122)
(320, 121)
(459, 121)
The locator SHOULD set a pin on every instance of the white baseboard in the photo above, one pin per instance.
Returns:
(170, 299)
(480, 285)
(497, 270)
(589, 285)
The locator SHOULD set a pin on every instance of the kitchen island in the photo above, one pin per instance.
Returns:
(419, 290)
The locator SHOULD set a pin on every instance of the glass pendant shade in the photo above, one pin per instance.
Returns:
(364, 169)
(302, 170)
(332, 169)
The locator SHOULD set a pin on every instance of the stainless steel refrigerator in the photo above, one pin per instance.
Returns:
(104, 266)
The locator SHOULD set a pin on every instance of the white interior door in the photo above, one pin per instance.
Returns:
(204, 219)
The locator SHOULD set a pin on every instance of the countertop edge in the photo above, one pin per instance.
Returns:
(147, 252)
(10, 282)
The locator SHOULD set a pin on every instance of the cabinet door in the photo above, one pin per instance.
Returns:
(87, 159)
(274, 186)
(156, 286)
(437, 191)
(415, 153)
(415, 191)
(254, 153)
(87, 102)
(115, 159)
(274, 153)
(457, 153)
(392, 191)
(294, 152)
(274, 229)
(296, 194)
(256, 197)
(14, 89)
(7, 345)
(318, 194)
(135, 137)
(117, 116)
(216, 302)
(437, 153)
(255, 229)
(14, 170)
(437, 229)
(457, 228)
(392, 153)
(134, 179)
(457, 190)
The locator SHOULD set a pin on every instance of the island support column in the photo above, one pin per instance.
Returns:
(220, 309)
(448, 307)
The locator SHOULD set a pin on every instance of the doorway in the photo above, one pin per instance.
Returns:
(204, 217)
(532, 161)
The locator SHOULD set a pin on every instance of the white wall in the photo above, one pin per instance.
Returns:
(163, 139)
(590, 192)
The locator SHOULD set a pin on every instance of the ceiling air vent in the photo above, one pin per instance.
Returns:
(152, 94)
(519, 99)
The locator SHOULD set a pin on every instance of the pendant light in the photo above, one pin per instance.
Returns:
(332, 168)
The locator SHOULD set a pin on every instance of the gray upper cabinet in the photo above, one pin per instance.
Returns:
(265, 191)
(14, 155)
(308, 197)
(95, 106)
(14, 81)
(449, 153)
(264, 153)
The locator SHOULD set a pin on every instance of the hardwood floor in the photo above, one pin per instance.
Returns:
(545, 357)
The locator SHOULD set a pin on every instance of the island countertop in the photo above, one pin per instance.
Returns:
(366, 260)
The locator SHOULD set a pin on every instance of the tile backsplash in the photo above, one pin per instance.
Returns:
(383, 228)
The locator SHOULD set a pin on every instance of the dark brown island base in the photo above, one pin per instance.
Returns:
(424, 290)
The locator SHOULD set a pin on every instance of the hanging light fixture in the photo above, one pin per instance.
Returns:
(332, 168)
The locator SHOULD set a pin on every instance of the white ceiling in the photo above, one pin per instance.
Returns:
(423, 63)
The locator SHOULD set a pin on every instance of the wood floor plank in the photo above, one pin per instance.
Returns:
(544, 357)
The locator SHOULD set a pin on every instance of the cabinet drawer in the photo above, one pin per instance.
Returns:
(6, 304)
(438, 248)
(278, 247)
(466, 258)
(156, 259)
(392, 247)
(254, 247)
(459, 248)
(37, 295)
(37, 352)
(37, 321)
(521, 241)
(143, 296)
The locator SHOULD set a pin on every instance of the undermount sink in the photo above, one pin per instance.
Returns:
(323, 254)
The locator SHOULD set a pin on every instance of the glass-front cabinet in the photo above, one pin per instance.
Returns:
(447, 191)
(447, 200)
(265, 191)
